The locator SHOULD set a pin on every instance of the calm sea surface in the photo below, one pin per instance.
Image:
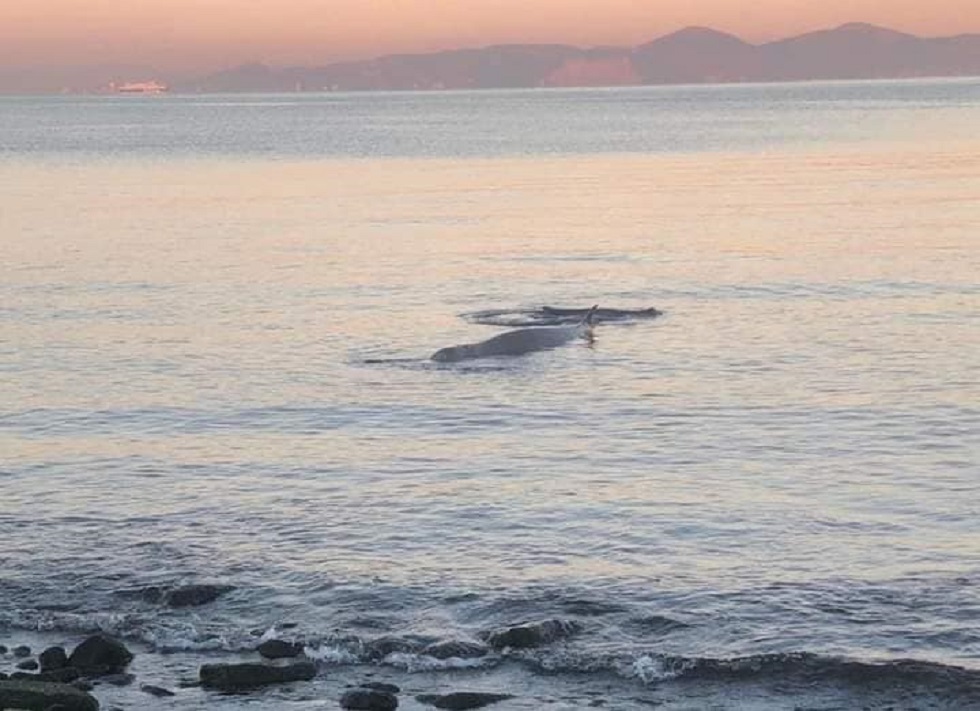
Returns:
(216, 314)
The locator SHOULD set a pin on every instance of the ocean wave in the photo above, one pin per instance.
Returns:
(564, 655)
(557, 316)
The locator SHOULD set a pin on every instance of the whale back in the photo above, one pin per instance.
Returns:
(519, 341)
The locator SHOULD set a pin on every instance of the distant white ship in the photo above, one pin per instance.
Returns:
(141, 87)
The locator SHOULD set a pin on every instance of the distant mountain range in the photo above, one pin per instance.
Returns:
(692, 55)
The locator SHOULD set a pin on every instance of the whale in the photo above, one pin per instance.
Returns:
(519, 341)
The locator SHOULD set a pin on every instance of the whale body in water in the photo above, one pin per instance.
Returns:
(519, 341)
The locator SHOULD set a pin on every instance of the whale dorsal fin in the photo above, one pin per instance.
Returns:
(587, 319)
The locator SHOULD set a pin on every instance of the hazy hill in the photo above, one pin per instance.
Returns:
(692, 55)
(852, 51)
(696, 55)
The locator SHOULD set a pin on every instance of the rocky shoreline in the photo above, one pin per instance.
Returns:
(516, 667)
(54, 680)
(88, 677)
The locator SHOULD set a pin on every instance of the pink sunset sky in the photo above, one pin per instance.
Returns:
(193, 35)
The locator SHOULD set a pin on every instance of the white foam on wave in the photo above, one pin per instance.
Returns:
(269, 635)
(423, 662)
(116, 623)
(331, 654)
(649, 669)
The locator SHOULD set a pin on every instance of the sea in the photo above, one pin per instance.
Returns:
(216, 320)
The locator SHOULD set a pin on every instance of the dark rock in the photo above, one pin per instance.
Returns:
(53, 658)
(237, 677)
(278, 649)
(3, 649)
(22, 651)
(532, 634)
(193, 595)
(157, 691)
(462, 700)
(62, 676)
(100, 655)
(83, 684)
(118, 679)
(28, 665)
(369, 700)
(455, 648)
(40, 696)
(380, 686)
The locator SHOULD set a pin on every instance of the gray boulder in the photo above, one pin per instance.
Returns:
(100, 655)
(53, 658)
(462, 700)
(279, 649)
(533, 634)
(368, 700)
(455, 648)
(240, 677)
(40, 696)
(193, 595)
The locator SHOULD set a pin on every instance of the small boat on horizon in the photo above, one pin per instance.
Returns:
(141, 87)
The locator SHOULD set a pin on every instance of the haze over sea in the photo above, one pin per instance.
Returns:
(216, 314)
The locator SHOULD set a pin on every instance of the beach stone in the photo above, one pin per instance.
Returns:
(3, 649)
(462, 700)
(28, 665)
(363, 699)
(157, 691)
(533, 634)
(100, 655)
(194, 595)
(456, 648)
(53, 658)
(238, 677)
(279, 649)
(22, 651)
(41, 696)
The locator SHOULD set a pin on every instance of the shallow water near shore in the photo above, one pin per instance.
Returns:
(216, 319)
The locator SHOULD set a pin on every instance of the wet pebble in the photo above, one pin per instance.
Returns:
(157, 691)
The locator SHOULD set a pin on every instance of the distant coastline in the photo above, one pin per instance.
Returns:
(694, 55)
